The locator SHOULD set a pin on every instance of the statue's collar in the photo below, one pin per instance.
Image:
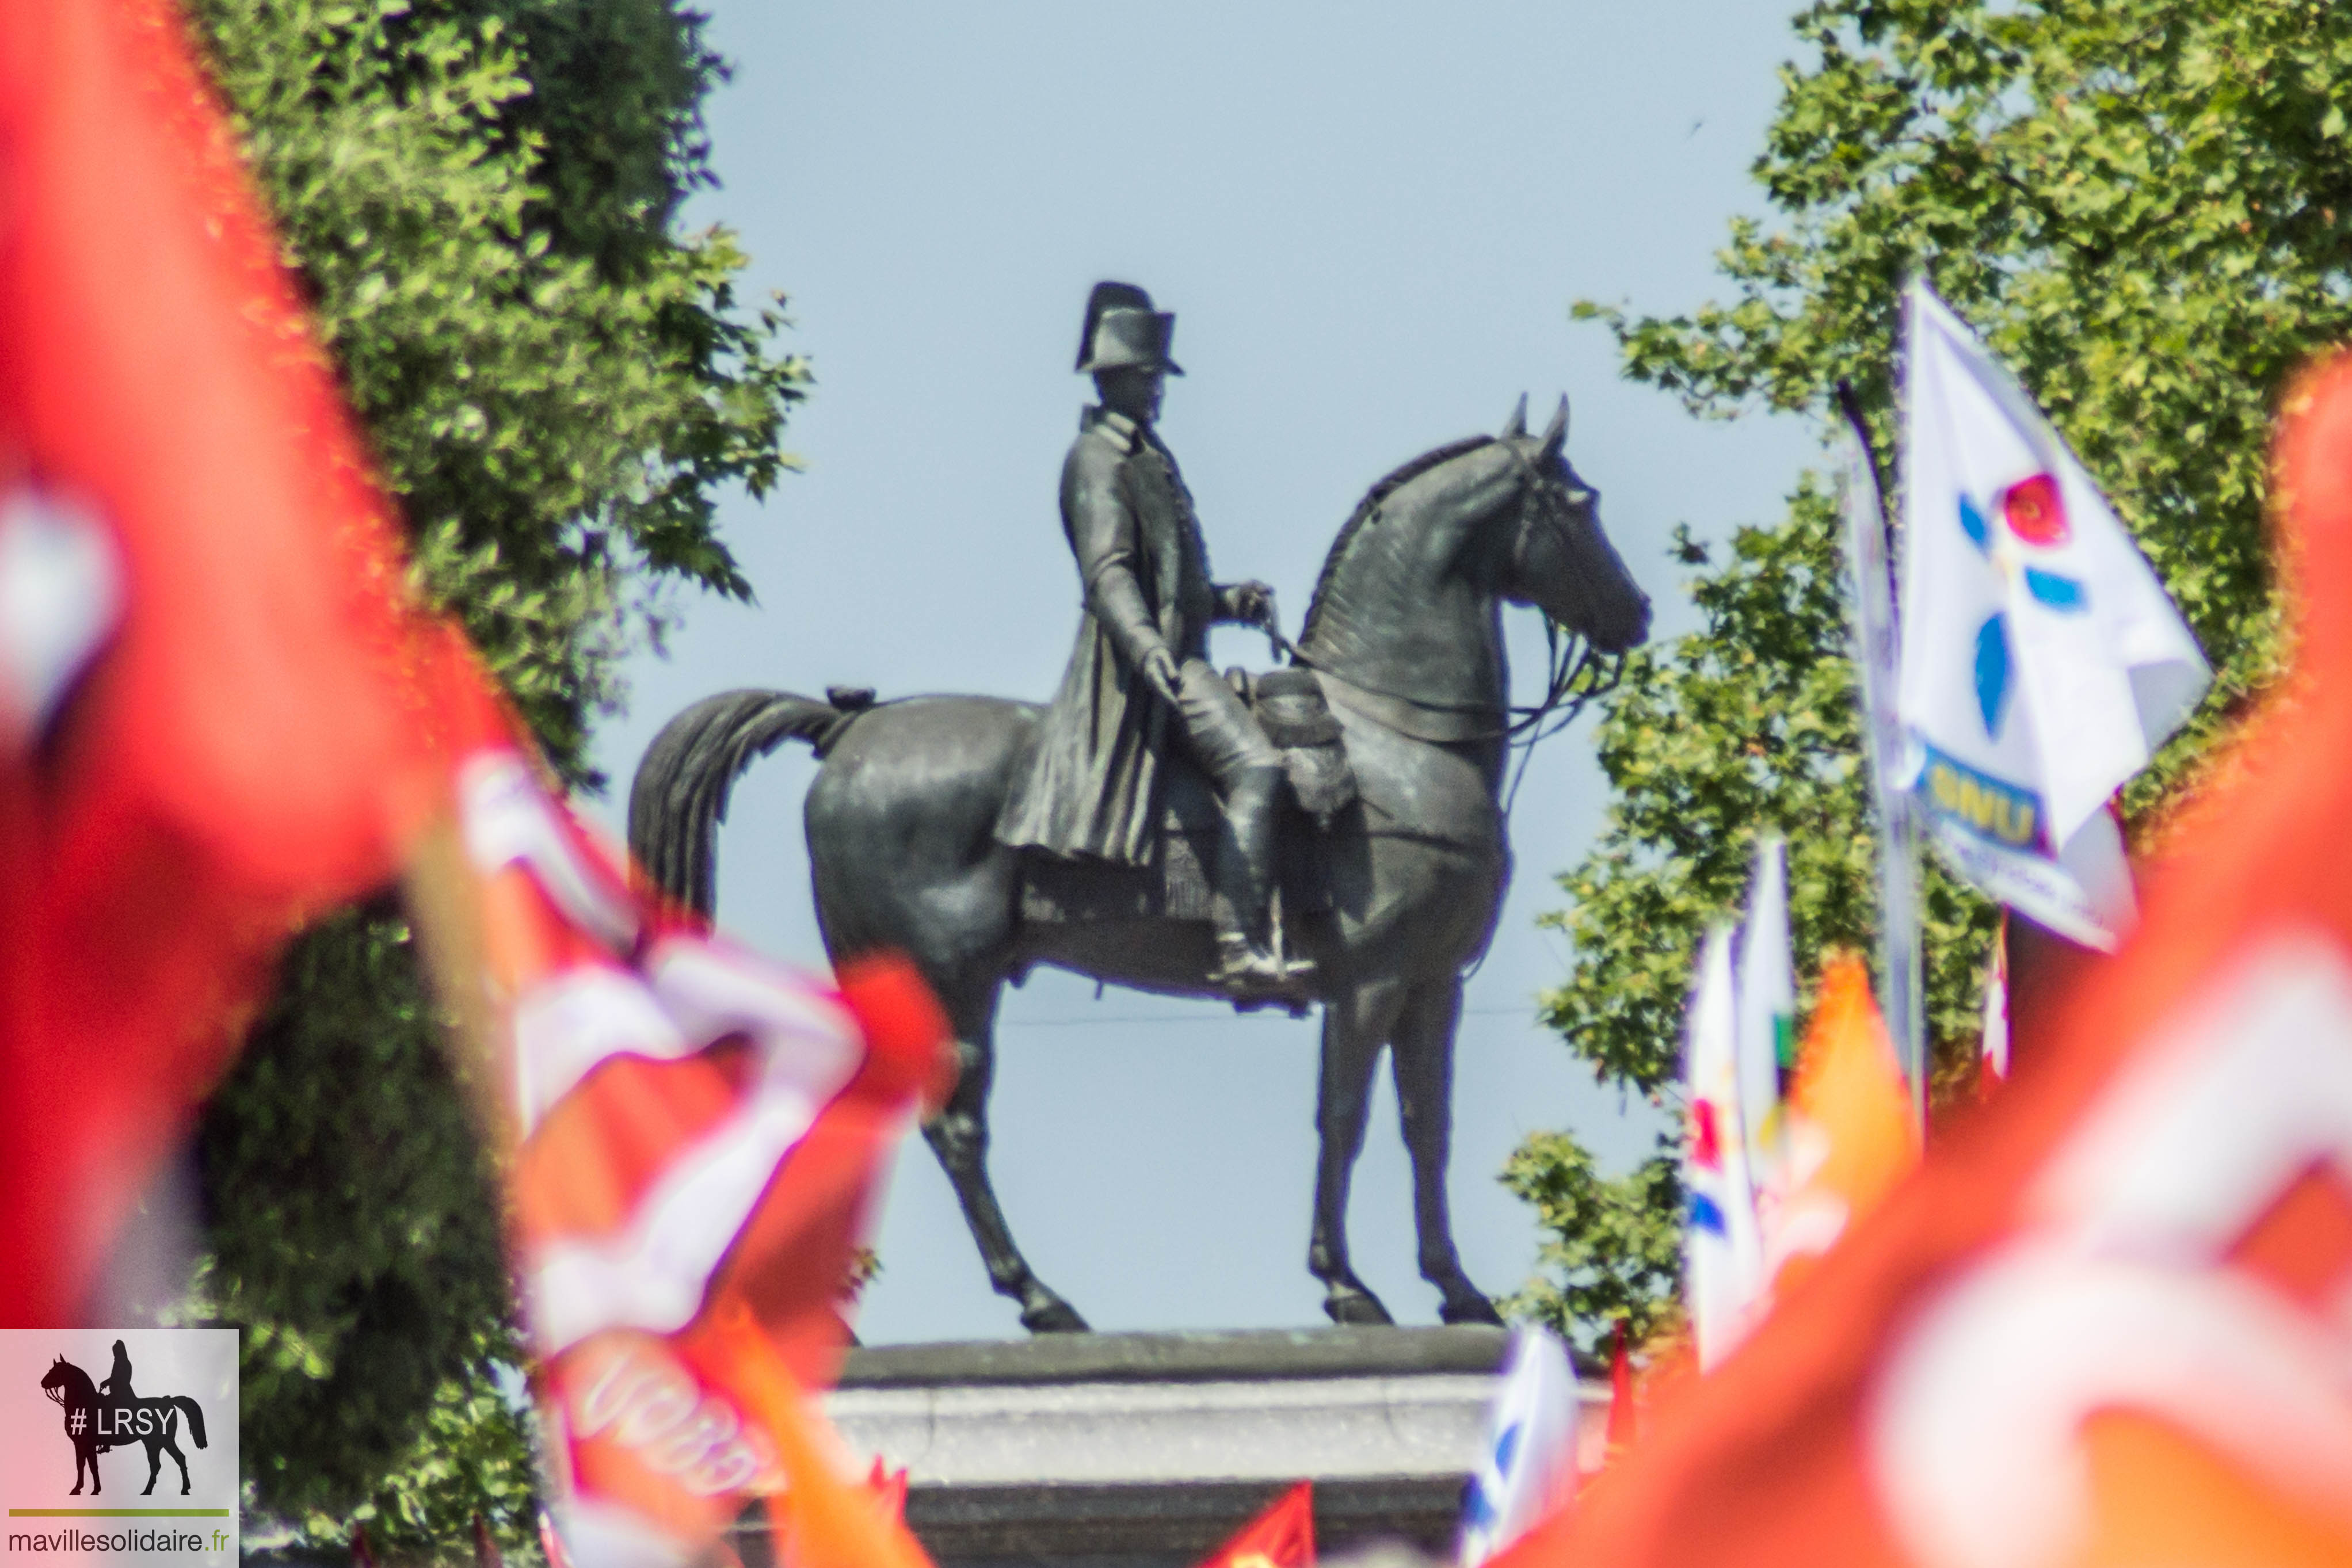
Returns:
(1115, 426)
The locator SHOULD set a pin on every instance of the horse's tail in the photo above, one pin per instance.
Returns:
(195, 1413)
(679, 795)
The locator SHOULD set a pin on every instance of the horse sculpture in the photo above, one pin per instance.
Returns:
(1404, 636)
(95, 1423)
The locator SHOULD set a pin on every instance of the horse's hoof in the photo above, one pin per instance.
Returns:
(1354, 1304)
(1472, 1308)
(1052, 1315)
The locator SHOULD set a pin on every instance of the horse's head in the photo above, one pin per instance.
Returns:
(1561, 562)
(59, 1379)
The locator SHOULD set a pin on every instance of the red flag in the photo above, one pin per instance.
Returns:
(2105, 1323)
(696, 1138)
(1620, 1392)
(486, 1549)
(203, 733)
(890, 1487)
(1281, 1537)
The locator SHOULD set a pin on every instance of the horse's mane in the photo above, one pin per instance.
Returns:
(1371, 504)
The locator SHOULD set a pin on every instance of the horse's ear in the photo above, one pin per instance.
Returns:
(1517, 425)
(1555, 435)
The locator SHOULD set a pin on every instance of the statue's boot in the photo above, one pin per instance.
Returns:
(1249, 967)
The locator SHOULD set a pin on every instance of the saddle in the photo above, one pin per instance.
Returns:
(1175, 883)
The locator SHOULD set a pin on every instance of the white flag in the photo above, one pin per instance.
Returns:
(1992, 1049)
(1722, 1251)
(1765, 1013)
(2043, 662)
(1528, 1468)
(1870, 584)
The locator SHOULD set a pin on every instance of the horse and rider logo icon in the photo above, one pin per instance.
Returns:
(111, 1415)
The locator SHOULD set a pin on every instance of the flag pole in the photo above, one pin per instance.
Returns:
(1869, 552)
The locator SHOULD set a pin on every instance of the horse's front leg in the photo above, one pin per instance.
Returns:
(1422, 1055)
(82, 1460)
(1355, 1022)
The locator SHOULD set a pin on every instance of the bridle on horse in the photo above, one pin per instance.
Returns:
(1576, 671)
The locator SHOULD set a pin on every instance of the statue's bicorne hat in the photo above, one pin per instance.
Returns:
(1123, 330)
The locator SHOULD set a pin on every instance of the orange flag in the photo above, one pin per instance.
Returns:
(2105, 1323)
(1851, 1138)
(1281, 1537)
(829, 1520)
(204, 708)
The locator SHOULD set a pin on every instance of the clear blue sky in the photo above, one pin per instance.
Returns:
(1370, 220)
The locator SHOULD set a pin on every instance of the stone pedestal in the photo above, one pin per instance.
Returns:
(1141, 1450)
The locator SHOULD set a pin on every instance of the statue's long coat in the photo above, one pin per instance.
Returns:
(1093, 787)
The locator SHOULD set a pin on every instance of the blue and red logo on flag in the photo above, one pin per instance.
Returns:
(2033, 514)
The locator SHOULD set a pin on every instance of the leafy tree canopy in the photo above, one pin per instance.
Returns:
(2143, 206)
(481, 197)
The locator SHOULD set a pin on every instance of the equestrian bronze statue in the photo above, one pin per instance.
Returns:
(1331, 832)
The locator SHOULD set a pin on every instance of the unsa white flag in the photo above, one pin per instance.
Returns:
(2042, 661)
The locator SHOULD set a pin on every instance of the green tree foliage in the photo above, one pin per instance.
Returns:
(1608, 1258)
(2143, 205)
(481, 197)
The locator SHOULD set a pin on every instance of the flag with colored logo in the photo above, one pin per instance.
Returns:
(697, 1139)
(1281, 1537)
(205, 735)
(1722, 1251)
(1528, 1467)
(2041, 660)
(2104, 1324)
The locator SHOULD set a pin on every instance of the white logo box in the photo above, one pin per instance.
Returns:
(88, 1473)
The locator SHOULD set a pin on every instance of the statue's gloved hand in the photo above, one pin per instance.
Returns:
(1251, 602)
(1159, 667)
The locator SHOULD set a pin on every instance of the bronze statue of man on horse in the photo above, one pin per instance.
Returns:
(981, 836)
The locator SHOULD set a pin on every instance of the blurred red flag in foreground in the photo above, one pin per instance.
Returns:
(696, 1138)
(219, 715)
(1281, 1537)
(203, 734)
(2106, 1321)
